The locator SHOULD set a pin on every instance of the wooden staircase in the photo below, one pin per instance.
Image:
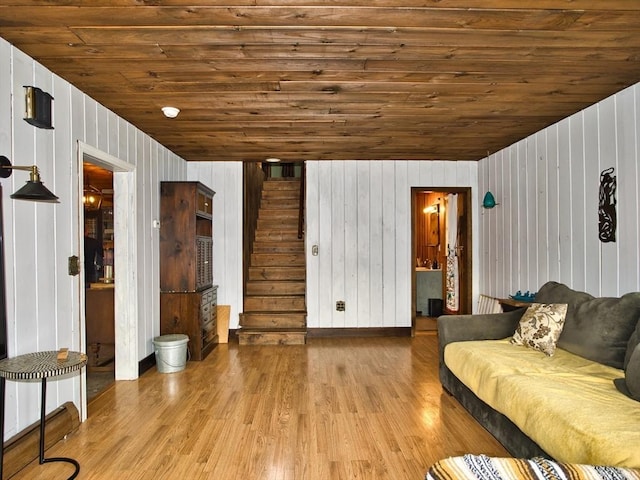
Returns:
(275, 311)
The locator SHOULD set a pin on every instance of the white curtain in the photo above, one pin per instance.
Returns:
(452, 283)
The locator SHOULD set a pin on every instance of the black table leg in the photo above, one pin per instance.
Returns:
(43, 401)
(43, 410)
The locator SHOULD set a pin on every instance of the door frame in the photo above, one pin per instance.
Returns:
(125, 262)
(466, 302)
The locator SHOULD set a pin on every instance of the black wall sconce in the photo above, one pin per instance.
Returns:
(34, 189)
(37, 107)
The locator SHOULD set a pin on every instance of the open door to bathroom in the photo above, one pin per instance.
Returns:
(442, 251)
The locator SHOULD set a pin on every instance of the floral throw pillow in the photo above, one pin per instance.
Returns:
(541, 326)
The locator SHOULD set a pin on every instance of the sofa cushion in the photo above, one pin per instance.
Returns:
(540, 327)
(567, 404)
(595, 328)
(630, 384)
(632, 374)
(634, 341)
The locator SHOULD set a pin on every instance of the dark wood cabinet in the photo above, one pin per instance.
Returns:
(188, 298)
(192, 314)
(186, 236)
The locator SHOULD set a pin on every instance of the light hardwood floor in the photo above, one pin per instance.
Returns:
(336, 408)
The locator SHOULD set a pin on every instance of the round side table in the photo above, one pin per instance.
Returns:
(32, 366)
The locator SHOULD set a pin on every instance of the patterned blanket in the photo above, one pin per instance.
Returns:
(481, 467)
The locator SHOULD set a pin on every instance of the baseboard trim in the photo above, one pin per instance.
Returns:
(23, 448)
(344, 332)
(146, 363)
(359, 332)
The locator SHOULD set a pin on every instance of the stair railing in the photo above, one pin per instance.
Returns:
(301, 205)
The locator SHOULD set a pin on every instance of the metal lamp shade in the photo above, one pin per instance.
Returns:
(35, 191)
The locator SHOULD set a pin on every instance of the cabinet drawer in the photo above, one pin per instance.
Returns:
(209, 331)
(207, 295)
(205, 310)
(214, 298)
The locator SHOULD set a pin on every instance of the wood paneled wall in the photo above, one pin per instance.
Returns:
(225, 178)
(42, 298)
(359, 215)
(546, 226)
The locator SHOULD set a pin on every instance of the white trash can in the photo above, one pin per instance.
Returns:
(171, 352)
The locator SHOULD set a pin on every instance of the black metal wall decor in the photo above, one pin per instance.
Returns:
(607, 219)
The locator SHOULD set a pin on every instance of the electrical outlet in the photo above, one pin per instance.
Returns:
(340, 306)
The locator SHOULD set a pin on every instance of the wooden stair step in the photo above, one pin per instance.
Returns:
(270, 213)
(277, 287)
(273, 319)
(277, 303)
(272, 184)
(281, 234)
(277, 273)
(270, 202)
(277, 259)
(284, 246)
(259, 336)
(278, 224)
(280, 194)
(283, 179)
(281, 187)
(289, 227)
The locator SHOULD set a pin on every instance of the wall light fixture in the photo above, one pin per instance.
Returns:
(489, 201)
(34, 189)
(37, 110)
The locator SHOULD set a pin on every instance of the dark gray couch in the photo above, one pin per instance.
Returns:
(605, 330)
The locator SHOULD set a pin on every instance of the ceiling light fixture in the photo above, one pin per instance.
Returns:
(272, 160)
(170, 112)
(92, 198)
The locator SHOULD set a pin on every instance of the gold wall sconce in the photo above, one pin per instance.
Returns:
(435, 208)
(34, 189)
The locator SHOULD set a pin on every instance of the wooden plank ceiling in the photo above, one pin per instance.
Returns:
(335, 79)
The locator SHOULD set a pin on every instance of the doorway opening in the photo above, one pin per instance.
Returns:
(99, 278)
(441, 246)
(125, 263)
